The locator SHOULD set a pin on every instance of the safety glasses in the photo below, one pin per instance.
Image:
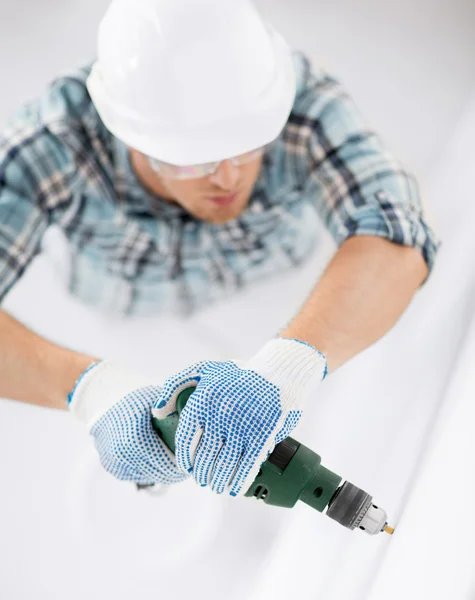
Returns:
(201, 170)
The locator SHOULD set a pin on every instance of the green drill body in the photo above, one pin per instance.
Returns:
(292, 472)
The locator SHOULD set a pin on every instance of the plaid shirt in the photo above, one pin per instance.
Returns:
(134, 253)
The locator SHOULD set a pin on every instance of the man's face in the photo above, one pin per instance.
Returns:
(215, 198)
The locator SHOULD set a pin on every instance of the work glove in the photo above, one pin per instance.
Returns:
(115, 405)
(239, 412)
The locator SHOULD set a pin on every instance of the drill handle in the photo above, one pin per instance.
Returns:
(166, 428)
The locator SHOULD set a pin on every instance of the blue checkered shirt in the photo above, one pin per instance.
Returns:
(135, 253)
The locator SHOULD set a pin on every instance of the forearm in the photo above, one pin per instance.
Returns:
(34, 370)
(364, 290)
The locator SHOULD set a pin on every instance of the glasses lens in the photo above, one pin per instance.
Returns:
(176, 172)
(202, 170)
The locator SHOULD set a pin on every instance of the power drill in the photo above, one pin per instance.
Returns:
(294, 472)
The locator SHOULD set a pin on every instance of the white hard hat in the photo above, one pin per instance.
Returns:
(191, 81)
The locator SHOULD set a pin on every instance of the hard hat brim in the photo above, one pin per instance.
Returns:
(259, 125)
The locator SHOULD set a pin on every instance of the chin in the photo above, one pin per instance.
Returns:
(220, 219)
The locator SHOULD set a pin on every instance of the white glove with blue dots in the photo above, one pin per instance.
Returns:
(116, 406)
(239, 412)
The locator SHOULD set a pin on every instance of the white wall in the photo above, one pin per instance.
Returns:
(38, 39)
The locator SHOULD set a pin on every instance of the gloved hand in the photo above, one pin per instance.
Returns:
(240, 412)
(115, 405)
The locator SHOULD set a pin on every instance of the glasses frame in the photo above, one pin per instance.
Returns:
(201, 170)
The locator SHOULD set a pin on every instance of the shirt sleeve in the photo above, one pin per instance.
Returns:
(23, 220)
(360, 188)
(37, 169)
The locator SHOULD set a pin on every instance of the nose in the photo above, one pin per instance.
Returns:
(226, 175)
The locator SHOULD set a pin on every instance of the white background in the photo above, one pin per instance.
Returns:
(396, 420)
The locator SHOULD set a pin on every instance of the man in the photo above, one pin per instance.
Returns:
(190, 161)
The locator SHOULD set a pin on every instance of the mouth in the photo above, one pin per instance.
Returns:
(223, 200)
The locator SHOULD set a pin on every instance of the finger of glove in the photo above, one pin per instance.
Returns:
(205, 456)
(187, 438)
(163, 463)
(151, 474)
(159, 459)
(125, 436)
(126, 472)
(172, 388)
(225, 465)
(122, 470)
(248, 469)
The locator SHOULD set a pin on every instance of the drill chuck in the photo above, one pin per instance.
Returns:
(353, 507)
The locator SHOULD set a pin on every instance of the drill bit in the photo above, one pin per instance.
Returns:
(389, 529)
